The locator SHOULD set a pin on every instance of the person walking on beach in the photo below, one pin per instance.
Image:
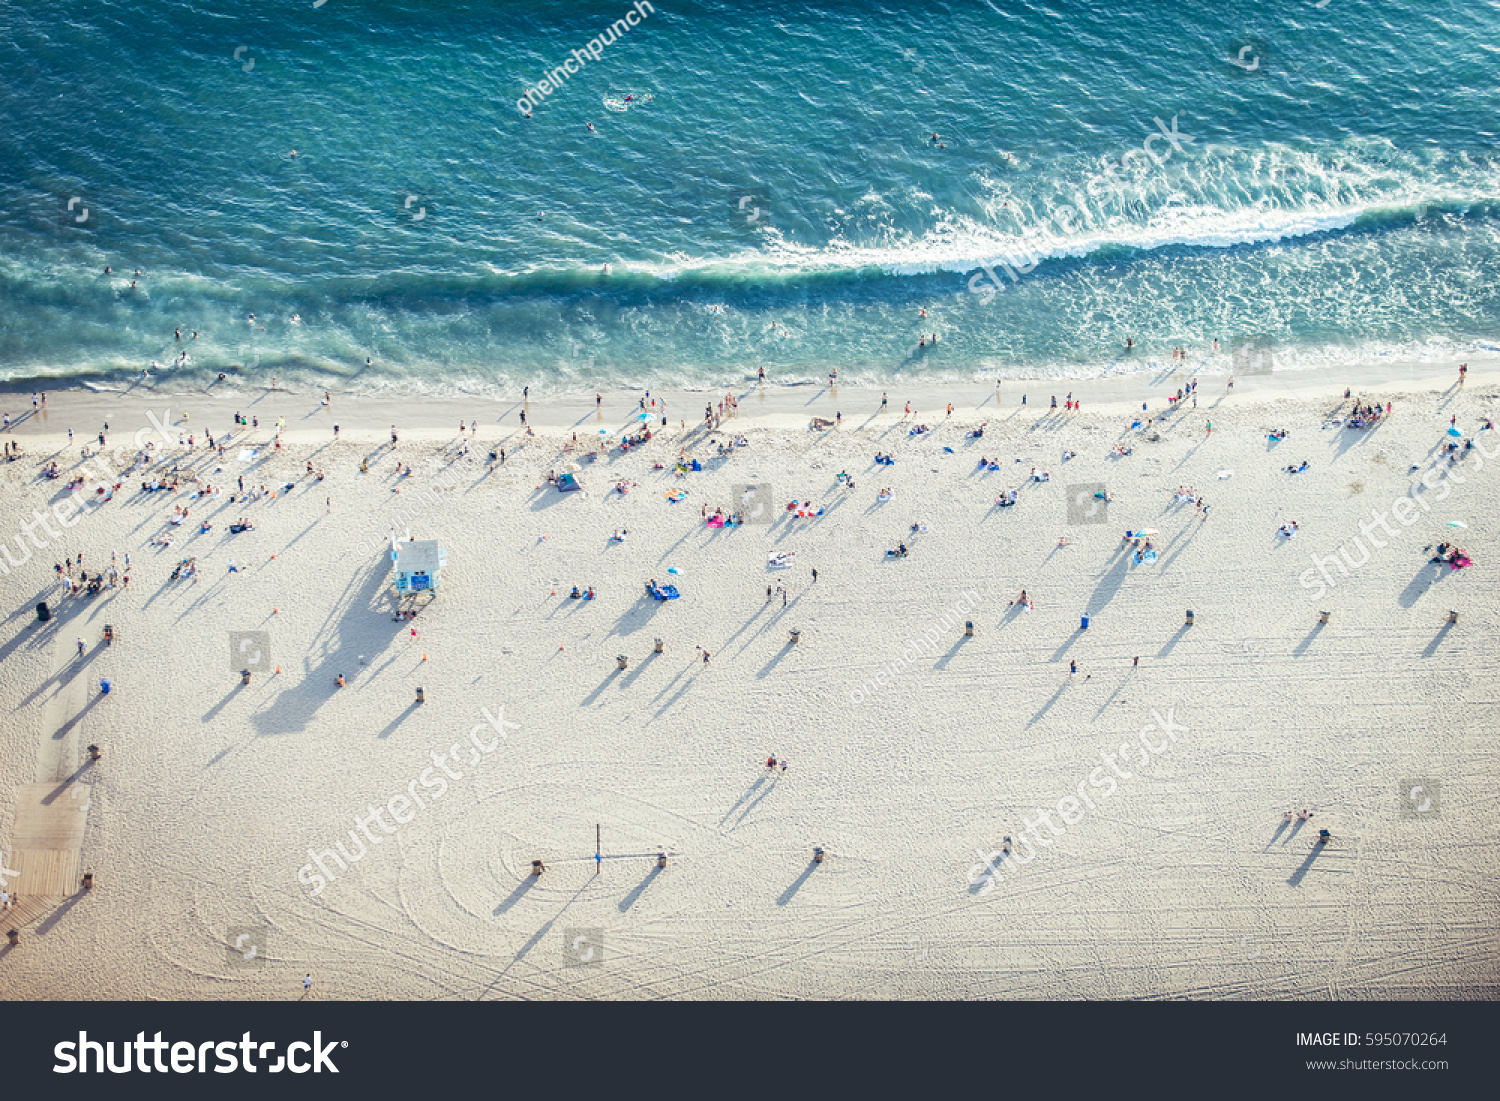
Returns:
(1072, 668)
(1210, 429)
(1463, 369)
(80, 647)
(815, 575)
(882, 403)
(393, 436)
(306, 983)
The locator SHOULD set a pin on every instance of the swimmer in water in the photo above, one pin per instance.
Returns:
(294, 152)
(590, 125)
(630, 97)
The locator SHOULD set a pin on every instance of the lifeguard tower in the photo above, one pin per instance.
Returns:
(417, 566)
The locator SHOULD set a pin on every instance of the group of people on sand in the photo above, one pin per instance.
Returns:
(1187, 495)
(1290, 528)
(1451, 554)
(1365, 416)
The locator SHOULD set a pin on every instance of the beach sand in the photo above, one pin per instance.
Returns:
(1183, 881)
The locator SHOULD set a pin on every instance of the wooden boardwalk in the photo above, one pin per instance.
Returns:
(45, 845)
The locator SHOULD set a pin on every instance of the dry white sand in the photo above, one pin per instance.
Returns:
(1184, 882)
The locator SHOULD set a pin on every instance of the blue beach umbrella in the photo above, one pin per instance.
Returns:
(1455, 430)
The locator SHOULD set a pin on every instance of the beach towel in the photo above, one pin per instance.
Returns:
(716, 521)
(248, 455)
(779, 561)
(676, 495)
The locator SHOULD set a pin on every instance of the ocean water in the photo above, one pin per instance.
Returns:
(761, 183)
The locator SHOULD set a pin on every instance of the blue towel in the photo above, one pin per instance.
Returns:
(949, 450)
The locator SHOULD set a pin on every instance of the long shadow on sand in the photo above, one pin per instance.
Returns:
(515, 896)
(1437, 640)
(1042, 711)
(1300, 874)
(750, 791)
(353, 623)
(640, 888)
(786, 895)
(1312, 636)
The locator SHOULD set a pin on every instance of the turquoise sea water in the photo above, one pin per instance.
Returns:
(1340, 195)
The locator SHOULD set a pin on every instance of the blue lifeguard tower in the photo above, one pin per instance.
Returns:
(417, 565)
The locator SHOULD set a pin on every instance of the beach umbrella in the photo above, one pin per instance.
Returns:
(1455, 430)
(644, 416)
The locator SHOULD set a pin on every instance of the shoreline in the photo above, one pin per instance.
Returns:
(769, 405)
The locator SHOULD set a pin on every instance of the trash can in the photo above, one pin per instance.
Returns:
(1084, 626)
(43, 613)
(105, 686)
